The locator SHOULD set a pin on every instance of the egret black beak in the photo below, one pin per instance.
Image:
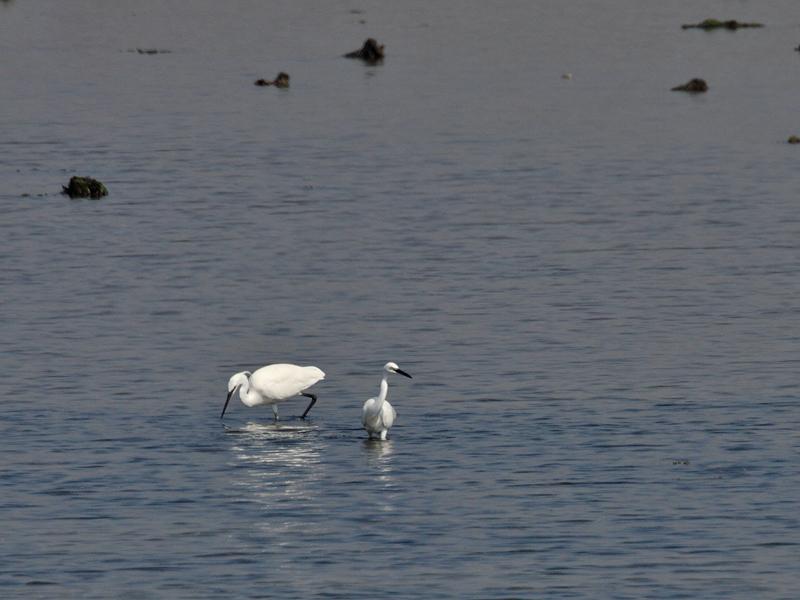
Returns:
(228, 399)
(401, 372)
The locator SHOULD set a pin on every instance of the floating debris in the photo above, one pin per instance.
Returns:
(710, 24)
(370, 52)
(150, 51)
(694, 86)
(84, 187)
(281, 81)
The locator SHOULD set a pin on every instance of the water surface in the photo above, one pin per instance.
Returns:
(594, 282)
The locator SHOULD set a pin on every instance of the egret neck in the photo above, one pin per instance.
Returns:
(243, 381)
(244, 394)
(378, 406)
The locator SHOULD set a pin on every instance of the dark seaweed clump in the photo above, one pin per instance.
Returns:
(150, 51)
(281, 81)
(710, 24)
(693, 85)
(370, 52)
(85, 187)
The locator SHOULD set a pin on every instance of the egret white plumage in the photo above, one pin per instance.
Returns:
(273, 384)
(378, 415)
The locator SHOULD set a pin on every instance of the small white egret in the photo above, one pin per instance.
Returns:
(378, 415)
(273, 384)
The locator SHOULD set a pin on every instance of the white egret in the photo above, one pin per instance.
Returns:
(378, 415)
(273, 384)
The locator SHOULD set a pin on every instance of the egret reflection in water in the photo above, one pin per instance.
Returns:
(280, 466)
(379, 453)
(380, 458)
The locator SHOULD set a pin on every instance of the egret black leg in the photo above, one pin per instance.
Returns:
(310, 404)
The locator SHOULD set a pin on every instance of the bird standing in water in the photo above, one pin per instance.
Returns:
(378, 415)
(273, 384)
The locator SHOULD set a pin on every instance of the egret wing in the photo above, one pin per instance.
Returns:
(281, 381)
(388, 415)
(370, 418)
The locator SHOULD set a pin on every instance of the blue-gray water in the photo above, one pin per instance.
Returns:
(594, 282)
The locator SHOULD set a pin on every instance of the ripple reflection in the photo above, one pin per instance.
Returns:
(380, 457)
(281, 468)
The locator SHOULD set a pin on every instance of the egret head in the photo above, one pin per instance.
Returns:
(391, 367)
(235, 382)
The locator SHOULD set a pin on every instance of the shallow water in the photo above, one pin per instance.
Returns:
(594, 282)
